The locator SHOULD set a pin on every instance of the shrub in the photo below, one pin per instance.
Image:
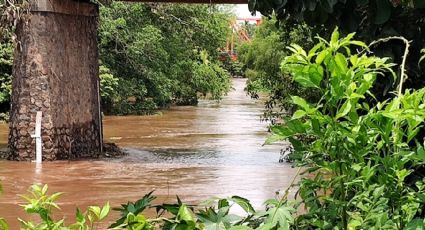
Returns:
(364, 159)
(261, 59)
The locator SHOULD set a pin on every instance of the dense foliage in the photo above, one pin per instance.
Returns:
(365, 160)
(12, 11)
(215, 215)
(162, 54)
(371, 19)
(6, 63)
(152, 55)
(261, 58)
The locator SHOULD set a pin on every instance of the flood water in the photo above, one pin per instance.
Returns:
(213, 149)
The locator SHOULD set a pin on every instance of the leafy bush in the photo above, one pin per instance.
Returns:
(234, 67)
(6, 64)
(216, 215)
(108, 87)
(210, 79)
(262, 59)
(371, 20)
(155, 51)
(40, 203)
(365, 161)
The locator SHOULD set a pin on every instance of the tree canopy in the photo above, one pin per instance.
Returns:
(151, 55)
(162, 54)
(370, 19)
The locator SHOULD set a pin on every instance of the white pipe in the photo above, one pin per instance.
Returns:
(37, 136)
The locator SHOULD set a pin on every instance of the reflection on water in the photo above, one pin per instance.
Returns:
(195, 152)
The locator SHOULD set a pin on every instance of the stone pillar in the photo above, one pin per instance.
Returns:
(56, 71)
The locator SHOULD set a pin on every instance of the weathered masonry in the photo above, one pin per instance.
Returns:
(56, 71)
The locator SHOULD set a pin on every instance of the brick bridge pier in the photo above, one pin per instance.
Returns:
(56, 71)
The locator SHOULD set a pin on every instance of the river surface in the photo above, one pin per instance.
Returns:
(197, 152)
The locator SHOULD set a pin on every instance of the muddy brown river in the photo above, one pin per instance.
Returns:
(213, 149)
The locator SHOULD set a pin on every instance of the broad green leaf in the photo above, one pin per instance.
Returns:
(95, 210)
(313, 50)
(274, 138)
(214, 226)
(308, 80)
(402, 174)
(301, 103)
(321, 56)
(244, 203)
(334, 37)
(416, 224)
(185, 214)
(296, 126)
(315, 124)
(299, 114)
(298, 50)
(341, 62)
(344, 110)
(44, 190)
(281, 216)
(356, 96)
(223, 203)
(356, 167)
(359, 43)
(282, 131)
(105, 211)
(354, 59)
(3, 224)
(353, 224)
(419, 155)
(56, 196)
(79, 215)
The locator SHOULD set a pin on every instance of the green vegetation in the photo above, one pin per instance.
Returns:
(216, 215)
(41, 204)
(161, 54)
(6, 63)
(152, 55)
(262, 57)
(356, 126)
(362, 161)
(371, 20)
(361, 143)
(365, 158)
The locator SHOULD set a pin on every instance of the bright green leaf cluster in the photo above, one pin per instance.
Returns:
(364, 157)
(39, 202)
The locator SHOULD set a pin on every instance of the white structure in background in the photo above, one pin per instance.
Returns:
(241, 11)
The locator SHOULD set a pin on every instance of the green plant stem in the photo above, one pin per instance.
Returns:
(403, 77)
(403, 74)
(285, 196)
(403, 66)
(343, 197)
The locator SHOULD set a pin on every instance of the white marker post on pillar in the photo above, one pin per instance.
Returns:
(37, 136)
